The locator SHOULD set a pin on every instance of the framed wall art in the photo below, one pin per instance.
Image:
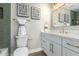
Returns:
(61, 17)
(35, 13)
(67, 18)
(22, 10)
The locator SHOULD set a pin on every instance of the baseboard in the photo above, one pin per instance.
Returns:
(35, 50)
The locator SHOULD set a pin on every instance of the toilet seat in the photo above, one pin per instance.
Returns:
(23, 51)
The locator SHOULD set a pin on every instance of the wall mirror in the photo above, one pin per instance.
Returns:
(65, 14)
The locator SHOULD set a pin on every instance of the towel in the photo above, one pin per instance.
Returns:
(21, 30)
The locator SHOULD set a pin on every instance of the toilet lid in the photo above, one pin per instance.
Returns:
(23, 51)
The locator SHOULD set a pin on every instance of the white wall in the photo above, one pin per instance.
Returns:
(14, 26)
(33, 27)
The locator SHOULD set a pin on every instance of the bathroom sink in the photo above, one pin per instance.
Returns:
(4, 52)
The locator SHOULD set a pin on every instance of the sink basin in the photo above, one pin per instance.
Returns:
(4, 52)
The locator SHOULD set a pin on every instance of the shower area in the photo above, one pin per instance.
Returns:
(5, 29)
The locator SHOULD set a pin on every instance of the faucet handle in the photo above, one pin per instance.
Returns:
(66, 32)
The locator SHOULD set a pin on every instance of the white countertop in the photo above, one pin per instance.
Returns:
(68, 35)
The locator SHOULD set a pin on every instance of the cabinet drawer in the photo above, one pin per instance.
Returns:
(43, 43)
(42, 35)
(71, 44)
(53, 38)
(67, 52)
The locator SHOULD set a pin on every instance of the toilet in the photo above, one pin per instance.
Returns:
(21, 47)
(22, 51)
(21, 40)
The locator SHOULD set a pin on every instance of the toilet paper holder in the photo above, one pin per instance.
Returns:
(14, 19)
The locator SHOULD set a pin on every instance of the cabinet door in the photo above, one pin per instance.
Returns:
(45, 46)
(54, 49)
(67, 52)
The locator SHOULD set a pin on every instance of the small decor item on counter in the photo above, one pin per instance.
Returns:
(45, 26)
(1, 12)
(35, 13)
(22, 10)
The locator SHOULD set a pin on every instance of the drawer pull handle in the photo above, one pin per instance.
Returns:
(43, 40)
(72, 45)
(51, 48)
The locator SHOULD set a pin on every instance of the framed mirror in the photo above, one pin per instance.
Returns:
(65, 15)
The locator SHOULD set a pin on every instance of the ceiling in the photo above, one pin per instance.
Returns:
(72, 6)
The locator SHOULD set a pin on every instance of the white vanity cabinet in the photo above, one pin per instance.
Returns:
(54, 45)
(45, 44)
(51, 45)
(70, 47)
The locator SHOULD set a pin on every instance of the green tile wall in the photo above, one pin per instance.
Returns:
(5, 26)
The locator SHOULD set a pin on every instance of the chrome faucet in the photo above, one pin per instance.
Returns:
(63, 30)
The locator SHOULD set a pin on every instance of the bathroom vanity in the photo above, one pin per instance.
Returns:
(59, 44)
